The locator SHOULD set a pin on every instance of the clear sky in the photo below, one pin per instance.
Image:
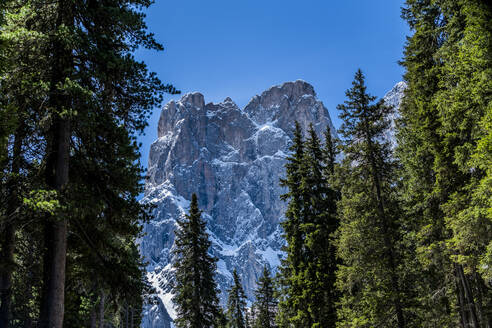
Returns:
(239, 48)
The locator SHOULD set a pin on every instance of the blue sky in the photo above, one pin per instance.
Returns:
(237, 49)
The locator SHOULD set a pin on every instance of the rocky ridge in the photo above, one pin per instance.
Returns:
(232, 158)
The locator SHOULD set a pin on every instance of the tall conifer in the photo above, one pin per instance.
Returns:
(448, 69)
(75, 77)
(265, 305)
(369, 277)
(195, 289)
(319, 226)
(289, 287)
(236, 304)
(307, 276)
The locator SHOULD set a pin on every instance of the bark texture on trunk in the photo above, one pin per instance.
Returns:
(8, 236)
(53, 300)
(101, 309)
(6, 276)
(470, 307)
(57, 167)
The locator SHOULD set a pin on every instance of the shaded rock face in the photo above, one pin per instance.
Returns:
(232, 159)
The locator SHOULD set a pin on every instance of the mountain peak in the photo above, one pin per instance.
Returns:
(233, 160)
(286, 103)
(293, 89)
(195, 99)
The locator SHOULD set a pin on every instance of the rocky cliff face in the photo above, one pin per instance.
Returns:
(393, 98)
(232, 159)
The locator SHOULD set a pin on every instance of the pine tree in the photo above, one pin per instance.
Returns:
(236, 304)
(265, 305)
(72, 80)
(194, 288)
(368, 238)
(22, 54)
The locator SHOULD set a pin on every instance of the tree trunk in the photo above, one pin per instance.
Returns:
(461, 299)
(57, 166)
(101, 309)
(387, 238)
(470, 302)
(6, 276)
(487, 307)
(8, 238)
(53, 300)
(94, 317)
(126, 316)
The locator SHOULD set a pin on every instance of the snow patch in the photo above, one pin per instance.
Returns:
(271, 256)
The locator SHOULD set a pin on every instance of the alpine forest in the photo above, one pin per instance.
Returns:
(385, 221)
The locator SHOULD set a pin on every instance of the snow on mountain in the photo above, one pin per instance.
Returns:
(232, 158)
(393, 98)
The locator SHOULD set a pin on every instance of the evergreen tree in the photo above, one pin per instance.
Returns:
(221, 319)
(80, 99)
(330, 153)
(418, 139)
(307, 276)
(195, 289)
(265, 306)
(291, 264)
(463, 102)
(236, 304)
(319, 284)
(448, 69)
(369, 277)
(22, 52)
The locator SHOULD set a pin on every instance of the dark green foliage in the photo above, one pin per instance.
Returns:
(369, 278)
(221, 319)
(265, 306)
(307, 276)
(289, 287)
(195, 290)
(448, 71)
(76, 99)
(330, 153)
(236, 304)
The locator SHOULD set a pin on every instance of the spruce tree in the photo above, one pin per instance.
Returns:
(307, 276)
(369, 277)
(330, 153)
(418, 138)
(462, 104)
(289, 287)
(448, 69)
(265, 305)
(236, 304)
(195, 290)
(319, 284)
